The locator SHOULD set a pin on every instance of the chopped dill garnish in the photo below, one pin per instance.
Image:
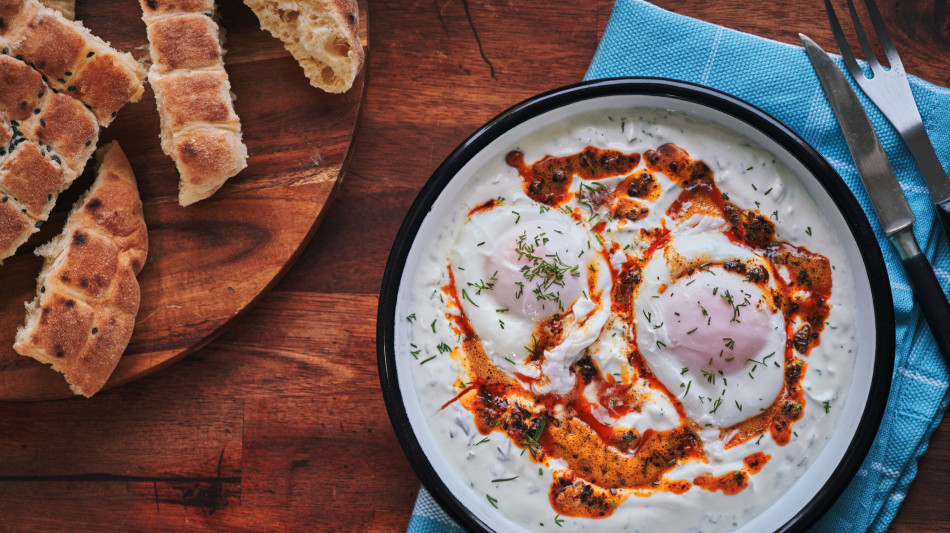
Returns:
(466, 296)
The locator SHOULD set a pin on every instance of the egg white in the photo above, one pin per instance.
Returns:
(505, 315)
(709, 397)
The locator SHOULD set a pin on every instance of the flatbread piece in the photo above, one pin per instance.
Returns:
(87, 293)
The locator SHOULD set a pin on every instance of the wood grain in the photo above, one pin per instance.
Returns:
(208, 262)
(279, 424)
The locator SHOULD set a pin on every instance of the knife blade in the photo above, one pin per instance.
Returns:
(884, 190)
(866, 149)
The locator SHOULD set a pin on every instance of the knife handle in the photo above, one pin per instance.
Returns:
(943, 215)
(931, 298)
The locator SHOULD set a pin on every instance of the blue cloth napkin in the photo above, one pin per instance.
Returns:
(644, 40)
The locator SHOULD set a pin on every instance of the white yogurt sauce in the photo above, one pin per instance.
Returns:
(751, 177)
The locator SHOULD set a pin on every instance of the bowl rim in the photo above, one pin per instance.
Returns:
(843, 198)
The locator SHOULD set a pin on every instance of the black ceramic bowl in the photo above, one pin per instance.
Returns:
(828, 474)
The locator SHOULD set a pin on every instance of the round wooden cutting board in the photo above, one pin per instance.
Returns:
(208, 262)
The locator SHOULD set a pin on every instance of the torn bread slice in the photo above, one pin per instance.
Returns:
(200, 130)
(45, 140)
(59, 84)
(70, 58)
(87, 293)
(322, 35)
(15, 226)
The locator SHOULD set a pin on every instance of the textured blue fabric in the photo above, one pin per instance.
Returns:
(428, 517)
(644, 40)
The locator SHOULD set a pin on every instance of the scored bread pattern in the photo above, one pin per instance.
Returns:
(45, 140)
(58, 86)
(199, 129)
(71, 59)
(87, 293)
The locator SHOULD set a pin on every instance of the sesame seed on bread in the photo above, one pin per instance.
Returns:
(87, 294)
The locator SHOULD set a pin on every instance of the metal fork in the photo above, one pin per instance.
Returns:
(890, 92)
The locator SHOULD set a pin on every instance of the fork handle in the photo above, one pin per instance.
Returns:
(937, 181)
(927, 290)
(931, 298)
(943, 215)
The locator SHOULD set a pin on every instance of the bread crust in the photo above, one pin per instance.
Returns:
(67, 127)
(83, 315)
(14, 14)
(49, 139)
(206, 157)
(200, 130)
(32, 179)
(186, 41)
(15, 226)
(105, 83)
(51, 43)
(195, 98)
(70, 58)
(58, 85)
(21, 88)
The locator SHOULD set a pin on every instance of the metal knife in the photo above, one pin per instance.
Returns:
(885, 192)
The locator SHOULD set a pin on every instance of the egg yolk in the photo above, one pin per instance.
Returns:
(536, 269)
(717, 319)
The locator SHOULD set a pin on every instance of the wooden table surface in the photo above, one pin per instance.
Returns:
(280, 424)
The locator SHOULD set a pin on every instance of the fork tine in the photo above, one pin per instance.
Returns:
(886, 43)
(863, 39)
(842, 42)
